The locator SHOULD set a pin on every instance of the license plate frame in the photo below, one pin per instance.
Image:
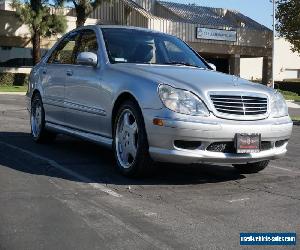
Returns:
(247, 143)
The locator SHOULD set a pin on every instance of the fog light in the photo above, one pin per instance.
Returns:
(158, 122)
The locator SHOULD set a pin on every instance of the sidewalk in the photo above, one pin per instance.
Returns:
(294, 105)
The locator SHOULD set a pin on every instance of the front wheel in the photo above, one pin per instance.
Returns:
(130, 141)
(251, 168)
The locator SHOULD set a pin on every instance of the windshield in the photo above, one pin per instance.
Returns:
(136, 46)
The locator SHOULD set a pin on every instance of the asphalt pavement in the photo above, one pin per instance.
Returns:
(69, 195)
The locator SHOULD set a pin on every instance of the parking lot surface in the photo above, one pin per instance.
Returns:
(69, 195)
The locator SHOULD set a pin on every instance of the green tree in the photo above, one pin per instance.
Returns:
(36, 14)
(83, 8)
(288, 16)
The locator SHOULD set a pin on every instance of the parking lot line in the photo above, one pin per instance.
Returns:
(236, 200)
(285, 169)
(66, 170)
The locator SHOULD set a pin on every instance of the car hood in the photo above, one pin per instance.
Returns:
(199, 81)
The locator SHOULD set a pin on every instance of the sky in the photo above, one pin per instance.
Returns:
(259, 10)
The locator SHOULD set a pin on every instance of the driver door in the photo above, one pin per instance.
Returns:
(53, 78)
(83, 90)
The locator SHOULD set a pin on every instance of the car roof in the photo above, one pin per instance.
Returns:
(105, 26)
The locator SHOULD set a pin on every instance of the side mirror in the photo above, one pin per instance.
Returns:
(87, 58)
(212, 66)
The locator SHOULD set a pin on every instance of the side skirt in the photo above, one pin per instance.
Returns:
(107, 142)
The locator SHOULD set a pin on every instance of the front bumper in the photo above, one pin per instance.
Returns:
(203, 156)
(211, 130)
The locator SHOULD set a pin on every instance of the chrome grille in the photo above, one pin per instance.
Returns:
(244, 105)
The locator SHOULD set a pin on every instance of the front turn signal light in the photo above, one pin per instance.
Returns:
(158, 122)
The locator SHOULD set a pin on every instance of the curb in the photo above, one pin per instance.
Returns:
(12, 93)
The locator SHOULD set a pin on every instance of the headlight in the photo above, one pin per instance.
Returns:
(182, 101)
(278, 106)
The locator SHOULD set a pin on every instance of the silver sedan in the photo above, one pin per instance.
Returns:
(150, 97)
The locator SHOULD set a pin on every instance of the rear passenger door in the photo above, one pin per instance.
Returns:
(54, 78)
(84, 109)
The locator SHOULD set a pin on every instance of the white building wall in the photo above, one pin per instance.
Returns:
(251, 68)
(5, 5)
(287, 63)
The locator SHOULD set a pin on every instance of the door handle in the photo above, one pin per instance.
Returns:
(69, 72)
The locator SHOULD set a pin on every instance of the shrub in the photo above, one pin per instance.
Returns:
(289, 86)
(290, 93)
(13, 79)
(292, 80)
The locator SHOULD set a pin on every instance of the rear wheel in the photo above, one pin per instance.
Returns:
(251, 168)
(130, 141)
(37, 121)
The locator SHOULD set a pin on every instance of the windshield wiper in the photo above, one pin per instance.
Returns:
(183, 64)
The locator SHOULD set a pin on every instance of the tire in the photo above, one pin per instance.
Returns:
(130, 142)
(251, 168)
(37, 122)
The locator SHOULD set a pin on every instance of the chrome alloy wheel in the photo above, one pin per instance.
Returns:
(126, 139)
(36, 119)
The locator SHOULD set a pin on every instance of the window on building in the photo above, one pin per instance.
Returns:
(17, 56)
(291, 74)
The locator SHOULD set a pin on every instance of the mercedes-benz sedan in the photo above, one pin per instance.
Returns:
(151, 97)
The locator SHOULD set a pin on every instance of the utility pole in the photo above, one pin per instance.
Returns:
(273, 49)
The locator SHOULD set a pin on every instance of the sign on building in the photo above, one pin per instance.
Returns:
(216, 34)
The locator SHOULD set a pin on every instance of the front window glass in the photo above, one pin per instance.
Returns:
(88, 42)
(135, 46)
(64, 53)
